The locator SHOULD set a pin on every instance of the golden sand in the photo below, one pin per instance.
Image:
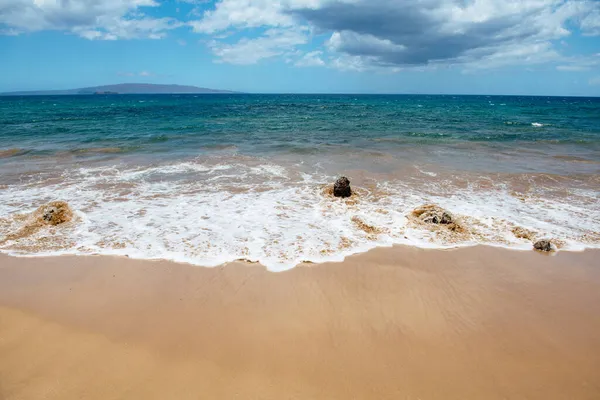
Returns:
(399, 323)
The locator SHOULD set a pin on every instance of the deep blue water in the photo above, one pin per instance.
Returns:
(290, 123)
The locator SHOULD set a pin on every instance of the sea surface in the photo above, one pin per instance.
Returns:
(208, 179)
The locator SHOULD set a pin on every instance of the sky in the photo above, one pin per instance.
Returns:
(522, 47)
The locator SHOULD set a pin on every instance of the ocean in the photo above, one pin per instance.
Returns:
(208, 179)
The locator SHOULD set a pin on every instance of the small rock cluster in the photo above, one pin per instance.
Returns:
(434, 215)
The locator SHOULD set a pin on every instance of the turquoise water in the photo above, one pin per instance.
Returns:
(252, 169)
(273, 123)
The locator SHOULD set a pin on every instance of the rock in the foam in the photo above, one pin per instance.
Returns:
(436, 216)
(341, 188)
(432, 214)
(54, 213)
(51, 214)
(544, 245)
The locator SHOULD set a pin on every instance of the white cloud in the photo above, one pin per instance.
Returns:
(194, 1)
(9, 32)
(311, 59)
(345, 62)
(572, 68)
(590, 24)
(394, 34)
(526, 53)
(362, 34)
(90, 19)
(242, 14)
(274, 42)
(490, 33)
(282, 36)
(580, 63)
(349, 42)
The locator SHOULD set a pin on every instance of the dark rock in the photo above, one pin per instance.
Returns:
(341, 188)
(543, 245)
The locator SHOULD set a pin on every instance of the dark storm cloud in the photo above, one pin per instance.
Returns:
(421, 32)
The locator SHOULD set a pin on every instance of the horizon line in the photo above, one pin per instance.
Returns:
(32, 93)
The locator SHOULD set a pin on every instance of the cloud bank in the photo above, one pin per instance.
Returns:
(346, 34)
(397, 34)
(90, 19)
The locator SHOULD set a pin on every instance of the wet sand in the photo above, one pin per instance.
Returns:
(399, 323)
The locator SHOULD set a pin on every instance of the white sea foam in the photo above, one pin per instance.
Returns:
(537, 124)
(425, 172)
(211, 214)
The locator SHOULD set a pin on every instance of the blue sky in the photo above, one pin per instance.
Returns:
(545, 47)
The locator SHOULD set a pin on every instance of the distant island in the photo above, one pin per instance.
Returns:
(122, 88)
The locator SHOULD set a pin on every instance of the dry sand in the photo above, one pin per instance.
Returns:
(400, 323)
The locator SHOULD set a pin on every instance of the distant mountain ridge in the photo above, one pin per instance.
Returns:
(121, 88)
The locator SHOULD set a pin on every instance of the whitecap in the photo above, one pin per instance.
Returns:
(425, 172)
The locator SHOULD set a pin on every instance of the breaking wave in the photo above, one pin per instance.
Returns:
(211, 213)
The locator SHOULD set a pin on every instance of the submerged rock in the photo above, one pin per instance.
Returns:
(341, 188)
(544, 245)
(432, 214)
(54, 213)
(51, 214)
(436, 218)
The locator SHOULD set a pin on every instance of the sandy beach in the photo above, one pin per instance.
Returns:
(300, 200)
(398, 323)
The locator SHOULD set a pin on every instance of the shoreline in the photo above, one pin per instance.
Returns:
(214, 208)
(400, 322)
(304, 264)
